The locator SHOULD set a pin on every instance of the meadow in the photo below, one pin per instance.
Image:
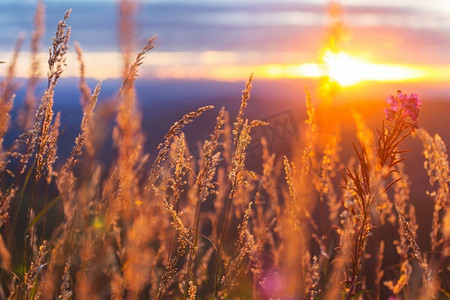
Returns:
(333, 215)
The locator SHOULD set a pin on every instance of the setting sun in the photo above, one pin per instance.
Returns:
(347, 70)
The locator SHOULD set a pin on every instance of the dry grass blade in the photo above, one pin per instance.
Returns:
(127, 29)
(244, 101)
(437, 167)
(58, 51)
(5, 201)
(165, 144)
(7, 87)
(241, 132)
(204, 183)
(26, 115)
(39, 136)
(184, 242)
(132, 73)
(410, 236)
(85, 130)
(84, 88)
(229, 280)
(65, 291)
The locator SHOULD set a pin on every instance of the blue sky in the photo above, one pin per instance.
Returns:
(208, 33)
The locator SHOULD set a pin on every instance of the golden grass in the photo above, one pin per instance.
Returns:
(173, 226)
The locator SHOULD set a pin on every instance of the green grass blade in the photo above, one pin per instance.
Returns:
(43, 212)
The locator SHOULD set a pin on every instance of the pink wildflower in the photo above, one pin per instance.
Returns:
(403, 106)
(390, 114)
(393, 102)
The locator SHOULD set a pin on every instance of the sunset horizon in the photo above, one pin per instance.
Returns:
(381, 41)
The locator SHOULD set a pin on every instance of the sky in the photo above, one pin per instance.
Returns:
(226, 40)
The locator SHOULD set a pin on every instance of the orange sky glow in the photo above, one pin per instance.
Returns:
(349, 42)
(343, 67)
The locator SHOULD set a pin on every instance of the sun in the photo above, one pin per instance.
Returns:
(343, 68)
(348, 70)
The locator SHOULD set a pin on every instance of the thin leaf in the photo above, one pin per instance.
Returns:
(43, 212)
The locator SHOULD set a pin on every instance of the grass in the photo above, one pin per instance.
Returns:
(175, 226)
